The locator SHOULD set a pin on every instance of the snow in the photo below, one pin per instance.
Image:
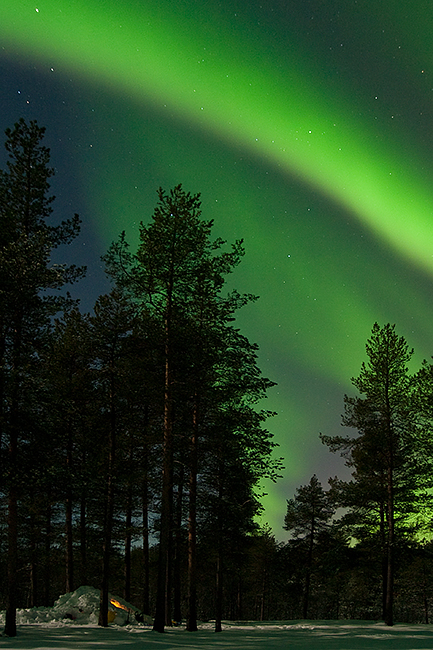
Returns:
(325, 635)
(79, 606)
(72, 623)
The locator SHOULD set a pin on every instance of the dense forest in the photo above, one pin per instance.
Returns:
(133, 444)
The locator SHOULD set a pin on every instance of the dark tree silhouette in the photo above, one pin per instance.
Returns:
(307, 515)
(26, 271)
(177, 275)
(388, 466)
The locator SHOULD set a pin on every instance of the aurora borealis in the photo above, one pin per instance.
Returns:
(307, 129)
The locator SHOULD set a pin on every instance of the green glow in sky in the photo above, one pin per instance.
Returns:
(224, 80)
(306, 133)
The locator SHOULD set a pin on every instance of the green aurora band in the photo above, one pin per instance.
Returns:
(245, 86)
(279, 112)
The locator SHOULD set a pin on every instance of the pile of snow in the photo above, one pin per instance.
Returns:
(81, 606)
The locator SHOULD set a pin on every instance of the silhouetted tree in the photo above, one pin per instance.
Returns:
(386, 455)
(177, 274)
(26, 271)
(307, 515)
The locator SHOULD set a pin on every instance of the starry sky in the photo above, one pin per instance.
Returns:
(307, 129)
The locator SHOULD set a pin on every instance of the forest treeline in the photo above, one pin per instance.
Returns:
(137, 425)
(366, 543)
(133, 445)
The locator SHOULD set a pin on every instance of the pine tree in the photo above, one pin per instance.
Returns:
(177, 275)
(386, 455)
(26, 271)
(307, 515)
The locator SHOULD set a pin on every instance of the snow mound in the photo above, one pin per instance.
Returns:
(82, 606)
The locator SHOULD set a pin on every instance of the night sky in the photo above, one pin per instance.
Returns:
(307, 128)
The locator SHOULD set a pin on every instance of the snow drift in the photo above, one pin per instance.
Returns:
(81, 606)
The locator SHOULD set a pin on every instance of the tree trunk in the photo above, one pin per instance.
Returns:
(11, 607)
(47, 572)
(162, 611)
(106, 549)
(219, 563)
(68, 517)
(128, 536)
(384, 558)
(389, 604)
(69, 544)
(191, 625)
(177, 579)
(33, 590)
(146, 567)
(239, 600)
(308, 571)
(424, 591)
(12, 520)
(2, 395)
(83, 539)
(263, 596)
(306, 594)
(219, 592)
(164, 559)
(109, 509)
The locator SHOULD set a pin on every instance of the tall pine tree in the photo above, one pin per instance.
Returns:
(26, 271)
(177, 275)
(385, 456)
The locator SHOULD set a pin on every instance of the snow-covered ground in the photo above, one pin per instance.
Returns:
(71, 623)
(273, 636)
